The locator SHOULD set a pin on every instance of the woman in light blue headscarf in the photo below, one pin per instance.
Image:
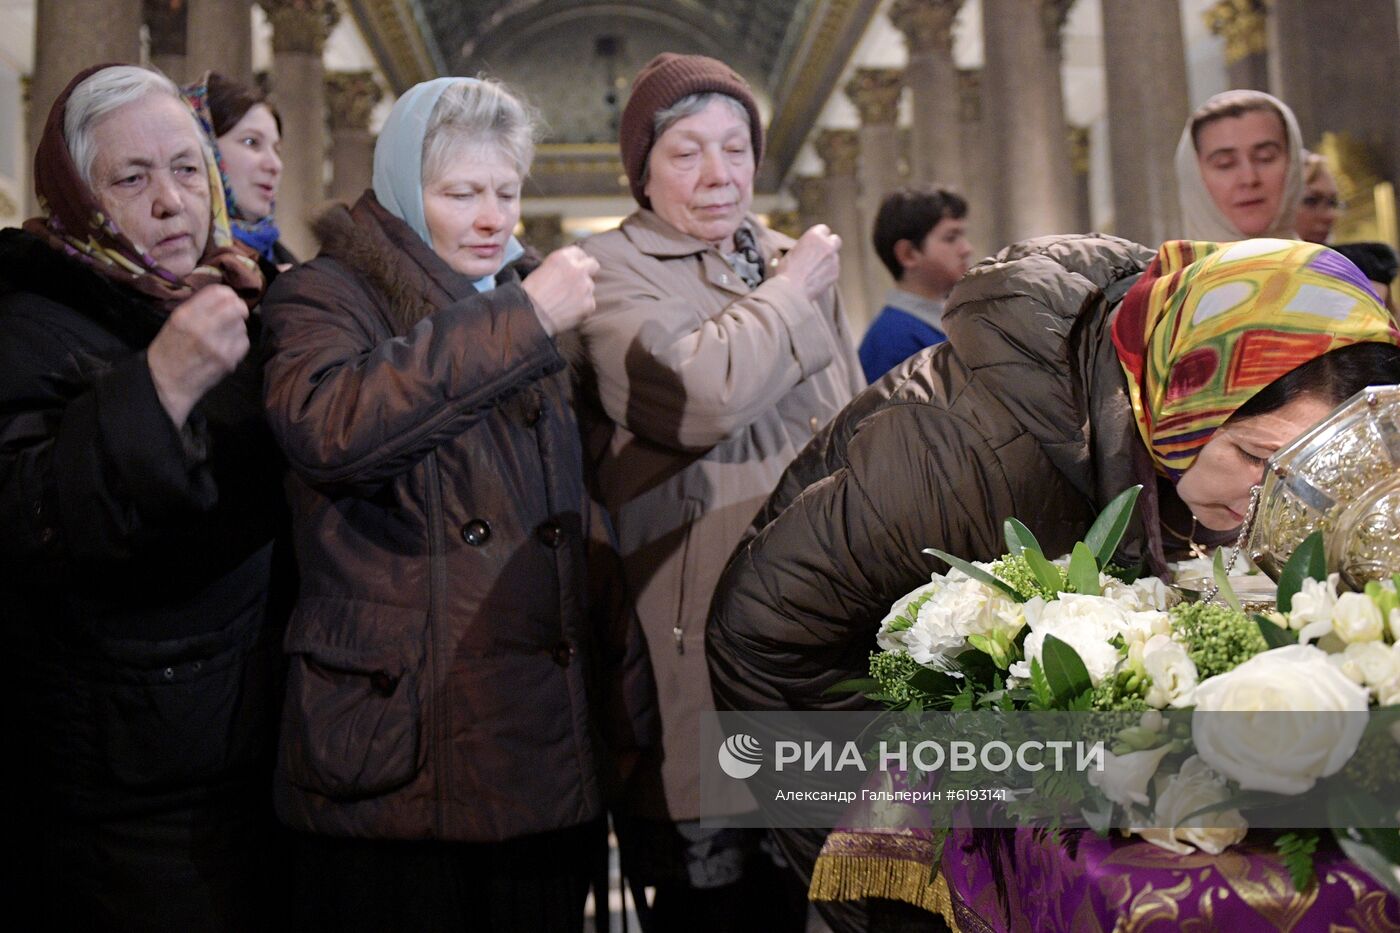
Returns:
(443, 744)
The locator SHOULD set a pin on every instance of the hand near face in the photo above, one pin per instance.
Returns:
(813, 264)
(562, 288)
(202, 341)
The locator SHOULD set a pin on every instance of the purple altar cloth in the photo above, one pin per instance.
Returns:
(1116, 884)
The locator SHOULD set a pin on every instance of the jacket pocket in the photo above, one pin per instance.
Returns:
(352, 723)
(178, 713)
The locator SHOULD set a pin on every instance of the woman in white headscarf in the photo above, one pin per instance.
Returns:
(1239, 168)
(441, 746)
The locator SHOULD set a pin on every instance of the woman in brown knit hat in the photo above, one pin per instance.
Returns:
(718, 348)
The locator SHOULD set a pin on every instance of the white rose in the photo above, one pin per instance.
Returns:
(1356, 618)
(1395, 625)
(1388, 693)
(1280, 720)
(1172, 671)
(1124, 777)
(1193, 787)
(1311, 613)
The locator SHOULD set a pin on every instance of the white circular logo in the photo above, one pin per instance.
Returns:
(740, 756)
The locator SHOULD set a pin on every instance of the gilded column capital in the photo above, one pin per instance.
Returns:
(969, 94)
(875, 92)
(1079, 149)
(1243, 24)
(927, 24)
(350, 98)
(839, 150)
(810, 194)
(165, 19)
(1053, 14)
(300, 26)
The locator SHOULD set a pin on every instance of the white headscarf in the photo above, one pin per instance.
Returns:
(398, 164)
(1201, 218)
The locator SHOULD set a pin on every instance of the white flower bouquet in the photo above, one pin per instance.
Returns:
(1026, 633)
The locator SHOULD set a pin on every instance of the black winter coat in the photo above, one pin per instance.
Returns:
(136, 563)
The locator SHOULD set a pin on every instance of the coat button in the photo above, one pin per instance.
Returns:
(814, 423)
(533, 416)
(563, 653)
(383, 683)
(476, 532)
(551, 534)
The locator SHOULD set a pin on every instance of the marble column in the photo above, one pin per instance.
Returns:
(299, 30)
(165, 20)
(1079, 141)
(1028, 140)
(810, 194)
(875, 92)
(220, 38)
(1145, 76)
(1242, 24)
(978, 183)
(839, 151)
(545, 232)
(70, 35)
(1338, 73)
(931, 75)
(350, 100)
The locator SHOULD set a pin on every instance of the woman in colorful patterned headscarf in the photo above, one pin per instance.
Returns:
(140, 499)
(245, 131)
(1228, 349)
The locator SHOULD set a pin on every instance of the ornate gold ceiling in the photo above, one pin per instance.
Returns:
(573, 58)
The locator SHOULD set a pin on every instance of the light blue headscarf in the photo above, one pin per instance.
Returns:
(398, 164)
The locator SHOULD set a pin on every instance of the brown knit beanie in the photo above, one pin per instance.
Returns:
(664, 80)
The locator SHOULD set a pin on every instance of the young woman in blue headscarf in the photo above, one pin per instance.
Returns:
(245, 130)
(441, 746)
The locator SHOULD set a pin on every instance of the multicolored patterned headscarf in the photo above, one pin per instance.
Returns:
(261, 234)
(1211, 324)
(75, 224)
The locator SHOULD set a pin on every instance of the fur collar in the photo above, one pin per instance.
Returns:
(372, 242)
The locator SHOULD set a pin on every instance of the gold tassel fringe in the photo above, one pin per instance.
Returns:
(851, 877)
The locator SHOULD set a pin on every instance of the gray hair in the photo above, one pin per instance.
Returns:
(479, 112)
(101, 93)
(688, 106)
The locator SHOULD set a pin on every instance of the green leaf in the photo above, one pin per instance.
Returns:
(1064, 671)
(1296, 849)
(1044, 696)
(854, 685)
(1083, 570)
(1308, 562)
(1046, 573)
(975, 572)
(1108, 529)
(1019, 537)
(1275, 636)
(1222, 582)
(934, 683)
